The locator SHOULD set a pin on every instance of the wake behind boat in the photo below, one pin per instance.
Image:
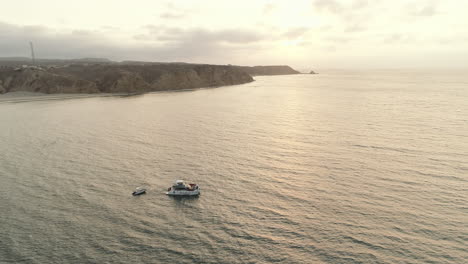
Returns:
(179, 188)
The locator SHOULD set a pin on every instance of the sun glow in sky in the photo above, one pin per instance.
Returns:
(301, 33)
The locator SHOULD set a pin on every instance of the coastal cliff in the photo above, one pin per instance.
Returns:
(117, 78)
(98, 75)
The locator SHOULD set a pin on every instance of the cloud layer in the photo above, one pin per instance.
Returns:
(157, 43)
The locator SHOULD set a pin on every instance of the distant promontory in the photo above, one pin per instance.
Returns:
(88, 76)
(269, 70)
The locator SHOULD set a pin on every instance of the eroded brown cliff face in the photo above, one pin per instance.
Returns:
(120, 78)
(33, 80)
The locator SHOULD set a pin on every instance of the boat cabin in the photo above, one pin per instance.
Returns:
(179, 185)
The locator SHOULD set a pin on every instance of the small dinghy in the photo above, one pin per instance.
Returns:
(179, 188)
(139, 191)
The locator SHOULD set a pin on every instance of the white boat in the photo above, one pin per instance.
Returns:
(139, 191)
(179, 188)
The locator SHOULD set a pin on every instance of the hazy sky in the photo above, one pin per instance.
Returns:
(304, 34)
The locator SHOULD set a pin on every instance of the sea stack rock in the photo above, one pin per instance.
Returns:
(312, 72)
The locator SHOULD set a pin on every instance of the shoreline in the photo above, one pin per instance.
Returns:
(22, 96)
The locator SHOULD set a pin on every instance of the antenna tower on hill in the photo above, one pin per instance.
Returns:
(32, 53)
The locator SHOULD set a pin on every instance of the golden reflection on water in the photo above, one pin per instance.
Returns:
(339, 167)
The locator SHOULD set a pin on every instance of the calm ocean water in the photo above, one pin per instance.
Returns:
(340, 167)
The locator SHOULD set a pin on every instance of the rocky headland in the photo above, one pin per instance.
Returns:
(269, 70)
(127, 77)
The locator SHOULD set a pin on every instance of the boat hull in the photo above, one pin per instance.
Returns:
(136, 193)
(183, 192)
